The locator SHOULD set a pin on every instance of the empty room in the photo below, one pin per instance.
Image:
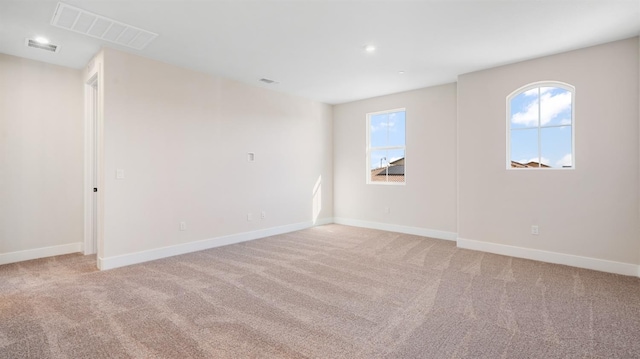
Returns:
(319, 179)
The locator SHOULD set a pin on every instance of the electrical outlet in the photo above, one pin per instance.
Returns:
(387, 210)
(183, 226)
(249, 217)
(534, 230)
(263, 215)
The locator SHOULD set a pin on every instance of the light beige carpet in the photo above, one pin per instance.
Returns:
(327, 292)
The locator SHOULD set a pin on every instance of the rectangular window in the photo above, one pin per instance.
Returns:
(386, 150)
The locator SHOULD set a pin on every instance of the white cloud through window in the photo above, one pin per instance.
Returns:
(534, 91)
(550, 106)
(565, 161)
(388, 125)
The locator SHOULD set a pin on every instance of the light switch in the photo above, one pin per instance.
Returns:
(119, 174)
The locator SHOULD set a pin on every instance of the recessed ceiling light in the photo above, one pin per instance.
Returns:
(401, 72)
(42, 40)
(369, 48)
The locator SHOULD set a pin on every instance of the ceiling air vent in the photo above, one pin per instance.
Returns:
(100, 27)
(267, 81)
(38, 45)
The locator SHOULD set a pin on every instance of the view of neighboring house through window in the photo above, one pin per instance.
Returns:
(386, 148)
(541, 126)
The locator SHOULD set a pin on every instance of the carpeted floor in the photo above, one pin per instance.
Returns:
(326, 292)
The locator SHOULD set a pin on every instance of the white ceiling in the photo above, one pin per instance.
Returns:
(315, 49)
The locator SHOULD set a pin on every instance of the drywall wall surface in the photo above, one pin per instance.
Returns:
(428, 199)
(181, 140)
(589, 211)
(41, 146)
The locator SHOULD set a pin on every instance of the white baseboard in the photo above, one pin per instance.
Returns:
(323, 221)
(551, 257)
(424, 232)
(29, 254)
(164, 252)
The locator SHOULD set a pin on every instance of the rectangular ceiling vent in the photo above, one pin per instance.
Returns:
(38, 45)
(100, 27)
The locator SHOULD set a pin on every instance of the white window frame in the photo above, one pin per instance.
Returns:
(557, 84)
(370, 149)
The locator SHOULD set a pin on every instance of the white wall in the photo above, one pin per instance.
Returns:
(182, 138)
(591, 211)
(41, 146)
(428, 200)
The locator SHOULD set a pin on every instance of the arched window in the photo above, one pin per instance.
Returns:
(540, 126)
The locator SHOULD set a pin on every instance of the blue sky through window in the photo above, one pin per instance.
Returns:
(541, 126)
(386, 130)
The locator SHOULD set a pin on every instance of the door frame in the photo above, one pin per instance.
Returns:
(93, 204)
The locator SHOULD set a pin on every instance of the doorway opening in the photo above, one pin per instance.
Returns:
(92, 196)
